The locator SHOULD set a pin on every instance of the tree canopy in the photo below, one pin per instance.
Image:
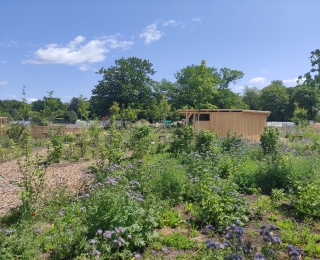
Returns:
(128, 83)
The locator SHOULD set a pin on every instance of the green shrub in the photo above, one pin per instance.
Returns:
(307, 199)
(182, 140)
(269, 140)
(217, 202)
(140, 141)
(204, 141)
(273, 174)
(17, 132)
(231, 141)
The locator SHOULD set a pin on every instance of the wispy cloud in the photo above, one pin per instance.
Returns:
(3, 62)
(77, 52)
(4, 82)
(172, 23)
(257, 80)
(29, 100)
(11, 96)
(290, 80)
(151, 33)
(197, 19)
(263, 70)
(9, 44)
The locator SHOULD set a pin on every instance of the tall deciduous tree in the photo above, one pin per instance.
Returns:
(310, 78)
(228, 76)
(306, 97)
(53, 107)
(274, 98)
(128, 82)
(197, 85)
(251, 96)
(83, 106)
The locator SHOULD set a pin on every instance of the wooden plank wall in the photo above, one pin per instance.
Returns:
(249, 124)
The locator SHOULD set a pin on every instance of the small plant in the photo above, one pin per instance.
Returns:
(57, 145)
(179, 241)
(269, 140)
(140, 141)
(171, 218)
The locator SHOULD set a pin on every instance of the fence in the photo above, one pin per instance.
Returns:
(43, 131)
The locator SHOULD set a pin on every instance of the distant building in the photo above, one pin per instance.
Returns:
(249, 123)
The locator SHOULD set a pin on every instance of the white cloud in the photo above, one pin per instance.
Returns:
(29, 100)
(76, 52)
(263, 70)
(4, 82)
(290, 80)
(151, 33)
(257, 80)
(197, 19)
(11, 96)
(172, 23)
(3, 62)
(9, 44)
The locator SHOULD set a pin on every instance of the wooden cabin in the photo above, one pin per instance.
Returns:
(249, 123)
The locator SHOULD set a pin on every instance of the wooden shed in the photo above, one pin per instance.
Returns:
(249, 123)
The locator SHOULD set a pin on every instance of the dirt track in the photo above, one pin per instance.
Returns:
(72, 175)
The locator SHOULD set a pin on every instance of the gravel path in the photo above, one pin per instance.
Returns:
(72, 175)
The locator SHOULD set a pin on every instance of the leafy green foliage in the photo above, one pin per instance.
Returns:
(204, 141)
(182, 140)
(179, 241)
(269, 140)
(17, 132)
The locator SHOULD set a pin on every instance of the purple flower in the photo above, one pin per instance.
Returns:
(83, 209)
(119, 230)
(266, 238)
(92, 242)
(99, 232)
(108, 234)
(272, 227)
(129, 236)
(96, 252)
(120, 241)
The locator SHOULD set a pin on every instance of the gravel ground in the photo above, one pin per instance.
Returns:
(72, 175)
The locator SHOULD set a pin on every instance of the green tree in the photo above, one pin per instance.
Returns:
(25, 107)
(197, 86)
(226, 99)
(53, 107)
(228, 76)
(83, 106)
(251, 96)
(274, 98)
(128, 82)
(300, 115)
(312, 79)
(307, 97)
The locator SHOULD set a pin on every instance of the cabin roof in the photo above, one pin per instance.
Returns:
(224, 110)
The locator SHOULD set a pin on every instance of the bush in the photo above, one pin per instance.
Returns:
(182, 140)
(269, 140)
(140, 141)
(273, 174)
(204, 141)
(17, 132)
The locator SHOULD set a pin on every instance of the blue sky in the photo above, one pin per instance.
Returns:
(59, 45)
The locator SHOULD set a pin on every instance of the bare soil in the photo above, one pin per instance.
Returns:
(71, 176)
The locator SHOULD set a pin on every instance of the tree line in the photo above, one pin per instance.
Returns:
(128, 86)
